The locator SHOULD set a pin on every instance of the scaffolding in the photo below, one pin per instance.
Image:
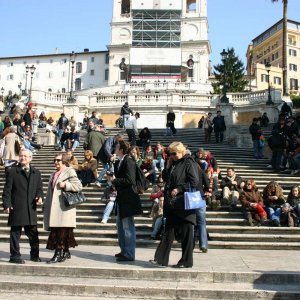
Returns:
(156, 28)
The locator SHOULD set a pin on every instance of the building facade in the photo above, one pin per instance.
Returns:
(157, 40)
(52, 72)
(267, 48)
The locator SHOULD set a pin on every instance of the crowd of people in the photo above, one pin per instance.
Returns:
(171, 171)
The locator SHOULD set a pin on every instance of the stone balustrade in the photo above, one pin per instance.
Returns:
(152, 99)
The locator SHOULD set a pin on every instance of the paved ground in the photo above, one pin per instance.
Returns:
(216, 260)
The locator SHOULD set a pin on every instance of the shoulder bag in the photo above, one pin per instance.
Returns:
(71, 199)
(193, 200)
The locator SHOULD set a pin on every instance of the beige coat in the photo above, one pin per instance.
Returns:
(9, 149)
(56, 214)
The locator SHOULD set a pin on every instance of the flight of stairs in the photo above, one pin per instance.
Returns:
(226, 229)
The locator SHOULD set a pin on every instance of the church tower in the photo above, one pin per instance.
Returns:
(159, 40)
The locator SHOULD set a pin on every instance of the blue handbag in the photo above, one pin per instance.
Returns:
(193, 200)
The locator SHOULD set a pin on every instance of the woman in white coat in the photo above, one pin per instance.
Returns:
(59, 219)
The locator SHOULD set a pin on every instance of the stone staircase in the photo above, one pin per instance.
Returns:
(69, 282)
(226, 229)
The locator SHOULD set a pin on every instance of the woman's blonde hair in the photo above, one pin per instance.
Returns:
(177, 147)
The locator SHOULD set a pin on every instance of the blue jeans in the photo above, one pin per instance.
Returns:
(204, 165)
(157, 225)
(126, 236)
(108, 209)
(201, 223)
(258, 151)
(271, 213)
(103, 172)
(27, 145)
(160, 164)
(297, 210)
(75, 145)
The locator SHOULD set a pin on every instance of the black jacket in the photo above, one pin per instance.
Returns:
(19, 193)
(182, 175)
(128, 200)
(219, 124)
(255, 131)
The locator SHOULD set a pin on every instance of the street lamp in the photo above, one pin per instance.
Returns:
(71, 99)
(224, 98)
(27, 70)
(20, 87)
(268, 69)
(2, 92)
(32, 70)
(123, 67)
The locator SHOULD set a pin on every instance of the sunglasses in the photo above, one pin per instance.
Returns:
(56, 160)
(173, 153)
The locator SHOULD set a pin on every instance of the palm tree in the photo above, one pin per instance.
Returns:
(284, 48)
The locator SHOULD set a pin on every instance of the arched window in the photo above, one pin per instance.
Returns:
(191, 5)
(78, 67)
(63, 90)
(125, 9)
(77, 84)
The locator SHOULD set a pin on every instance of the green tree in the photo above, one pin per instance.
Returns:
(230, 73)
(284, 47)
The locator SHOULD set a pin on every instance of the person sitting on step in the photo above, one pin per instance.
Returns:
(273, 198)
(156, 213)
(148, 169)
(212, 193)
(286, 216)
(294, 199)
(231, 185)
(160, 156)
(87, 170)
(252, 203)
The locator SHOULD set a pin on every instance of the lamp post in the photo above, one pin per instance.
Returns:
(123, 67)
(224, 98)
(27, 70)
(32, 70)
(20, 87)
(2, 92)
(71, 99)
(268, 69)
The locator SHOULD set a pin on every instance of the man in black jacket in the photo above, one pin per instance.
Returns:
(170, 122)
(126, 112)
(231, 186)
(219, 126)
(127, 201)
(22, 193)
(256, 132)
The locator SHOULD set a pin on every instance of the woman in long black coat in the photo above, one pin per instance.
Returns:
(180, 175)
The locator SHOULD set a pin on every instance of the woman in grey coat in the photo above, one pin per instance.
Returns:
(59, 219)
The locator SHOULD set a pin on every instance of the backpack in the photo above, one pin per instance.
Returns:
(142, 183)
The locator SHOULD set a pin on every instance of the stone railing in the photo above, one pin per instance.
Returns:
(242, 99)
(53, 99)
(167, 86)
(155, 98)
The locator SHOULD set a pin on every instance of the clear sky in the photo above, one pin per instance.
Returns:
(30, 27)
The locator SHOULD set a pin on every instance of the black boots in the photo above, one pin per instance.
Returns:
(57, 257)
(66, 255)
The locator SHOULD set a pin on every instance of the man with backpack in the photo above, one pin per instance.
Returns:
(107, 155)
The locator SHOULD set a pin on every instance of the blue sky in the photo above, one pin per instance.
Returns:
(30, 27)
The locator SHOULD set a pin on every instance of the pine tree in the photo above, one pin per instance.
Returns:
(230, 73)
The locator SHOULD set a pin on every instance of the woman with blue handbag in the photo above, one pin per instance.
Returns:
(181, 174)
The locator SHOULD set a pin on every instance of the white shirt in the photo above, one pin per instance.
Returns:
(132, 124)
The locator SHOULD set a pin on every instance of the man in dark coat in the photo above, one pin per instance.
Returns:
(128, 202)
(125, 113)
(219, 126)
(170, 122)
(22, 193)
(256, 132)
(94, 140)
